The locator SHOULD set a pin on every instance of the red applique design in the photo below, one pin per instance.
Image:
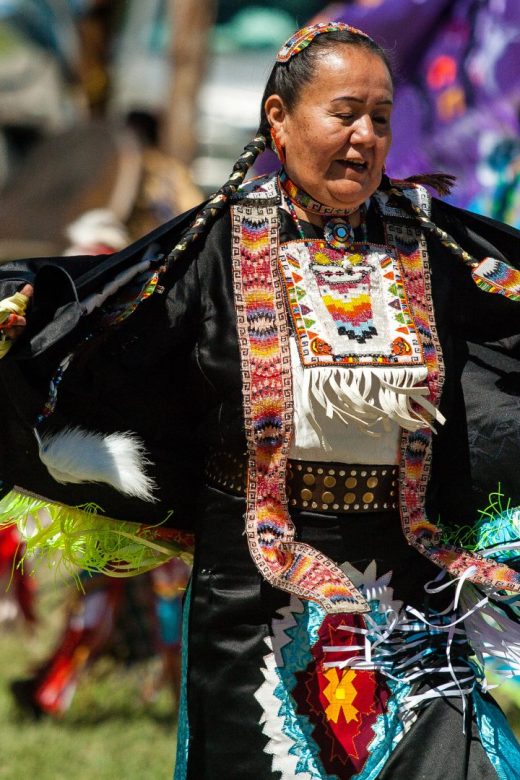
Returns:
(342, 703)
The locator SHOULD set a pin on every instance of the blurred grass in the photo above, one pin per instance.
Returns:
(108, 733)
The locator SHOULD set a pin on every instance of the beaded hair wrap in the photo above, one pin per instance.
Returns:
(305, 36)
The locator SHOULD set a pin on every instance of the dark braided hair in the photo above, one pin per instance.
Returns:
(441, 182)
(209, 213)
(286, 79)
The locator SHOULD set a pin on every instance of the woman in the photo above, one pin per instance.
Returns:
(317, 323)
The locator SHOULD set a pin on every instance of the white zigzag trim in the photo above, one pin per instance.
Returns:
(280, 743)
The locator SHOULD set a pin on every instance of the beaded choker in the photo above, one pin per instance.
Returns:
(306, 202)
(337, 230)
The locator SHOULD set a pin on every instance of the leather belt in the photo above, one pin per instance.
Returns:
(314, 486)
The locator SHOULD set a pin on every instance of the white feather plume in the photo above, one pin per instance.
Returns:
(117, 459)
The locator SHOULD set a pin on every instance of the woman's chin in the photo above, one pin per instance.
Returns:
(347, 194)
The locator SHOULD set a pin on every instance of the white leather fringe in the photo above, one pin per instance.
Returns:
(368, 395)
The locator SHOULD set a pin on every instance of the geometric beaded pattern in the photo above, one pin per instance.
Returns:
(262, 189)
(414, 192)
(288, 565)
(268, 415)
(349, 307)
(304, 37)
(495, 276)
(416, 446)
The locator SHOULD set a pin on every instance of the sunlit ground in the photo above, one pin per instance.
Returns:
(109, 732)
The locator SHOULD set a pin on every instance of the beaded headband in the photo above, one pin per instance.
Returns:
(303, 37)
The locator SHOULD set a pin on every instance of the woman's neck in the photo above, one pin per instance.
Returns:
(318, 220)
(311, 210)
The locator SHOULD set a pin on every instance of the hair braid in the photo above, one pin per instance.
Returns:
(208, 213)
(395, 193)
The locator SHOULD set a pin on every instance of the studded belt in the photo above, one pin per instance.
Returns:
(314, 486)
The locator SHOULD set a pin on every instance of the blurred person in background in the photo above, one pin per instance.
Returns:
(132, 620)
(17, 588)
(39, 73)
(70, 108)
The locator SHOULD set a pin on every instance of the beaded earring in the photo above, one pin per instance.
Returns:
(278, 148)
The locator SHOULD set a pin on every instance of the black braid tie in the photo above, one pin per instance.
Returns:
(208, 213)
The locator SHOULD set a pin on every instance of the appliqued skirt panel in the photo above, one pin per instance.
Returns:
(278, 690)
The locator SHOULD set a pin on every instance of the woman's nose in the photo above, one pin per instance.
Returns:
(363, 130)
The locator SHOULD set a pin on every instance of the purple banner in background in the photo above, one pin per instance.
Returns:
(457, 72)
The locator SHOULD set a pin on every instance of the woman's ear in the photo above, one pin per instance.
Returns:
(276, 113)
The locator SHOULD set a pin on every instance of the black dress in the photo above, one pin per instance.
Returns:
(271, 689)
(258, 701)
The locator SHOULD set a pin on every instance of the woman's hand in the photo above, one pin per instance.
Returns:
(12, 317)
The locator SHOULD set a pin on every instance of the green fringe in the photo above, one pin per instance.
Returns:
(69, 538)
(498, 524)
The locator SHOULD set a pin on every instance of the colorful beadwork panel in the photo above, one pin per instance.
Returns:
(267, 401)
(349, 307)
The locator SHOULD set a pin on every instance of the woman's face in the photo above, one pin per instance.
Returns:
(337, 135)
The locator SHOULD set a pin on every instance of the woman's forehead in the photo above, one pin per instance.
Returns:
(345, 71)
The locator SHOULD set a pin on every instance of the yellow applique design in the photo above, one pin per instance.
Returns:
(340, 693)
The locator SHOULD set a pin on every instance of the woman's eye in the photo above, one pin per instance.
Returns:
(381, 120)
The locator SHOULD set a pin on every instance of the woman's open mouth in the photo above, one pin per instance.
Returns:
(356, 166)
